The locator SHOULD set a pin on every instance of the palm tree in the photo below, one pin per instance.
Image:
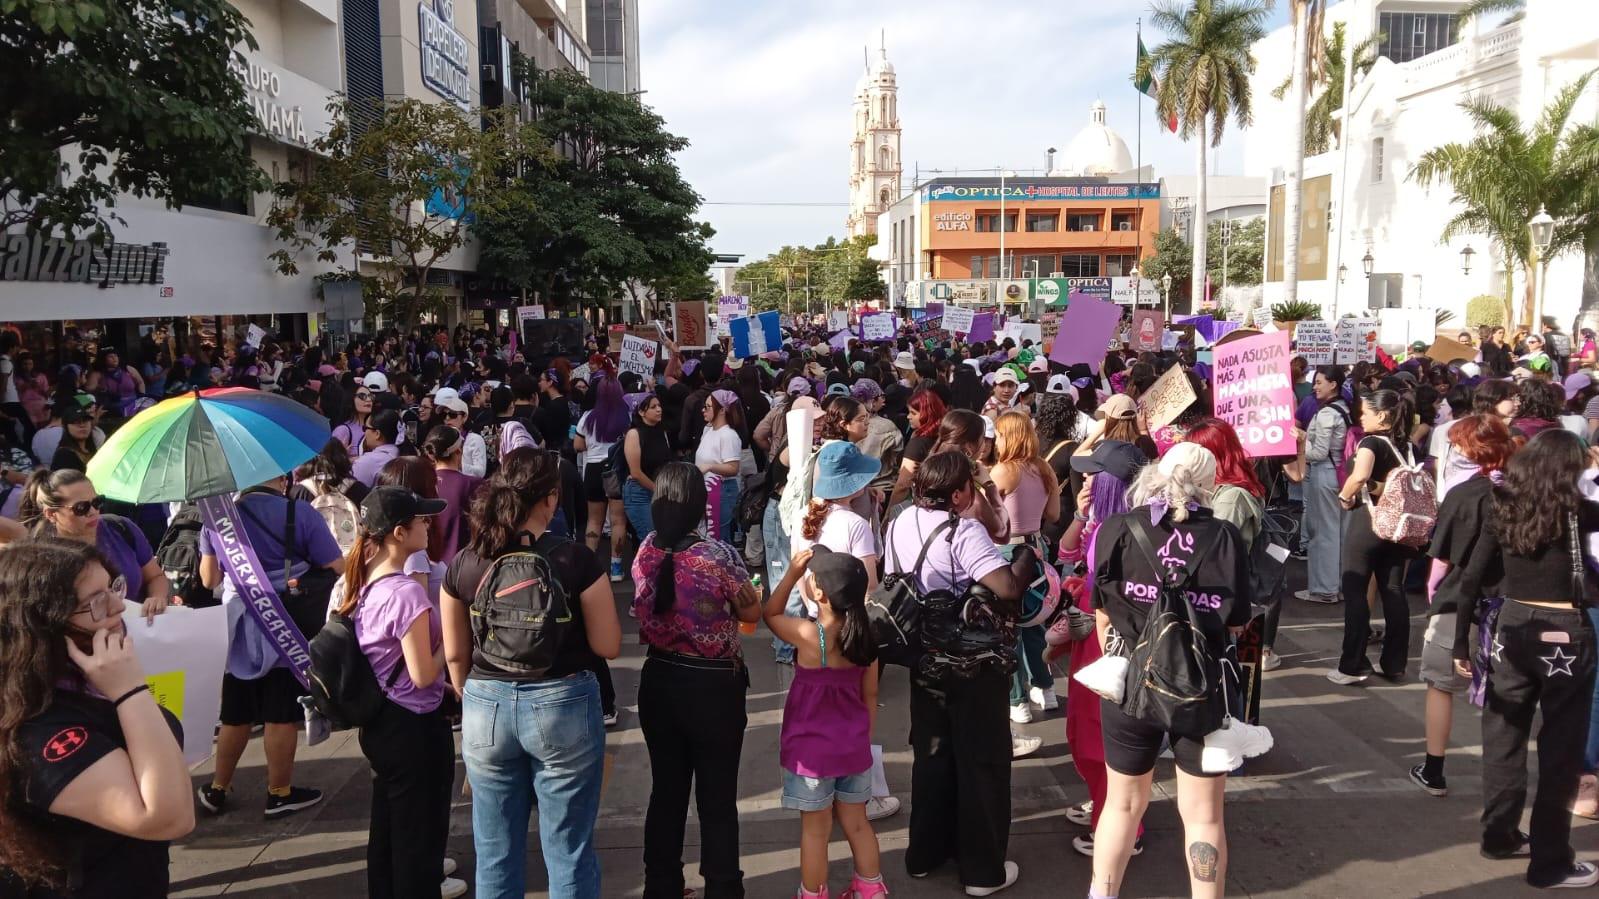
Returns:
(1505, 175)
(1323, 125)
(1309, 56)
(1488, 7)
(1202, 78)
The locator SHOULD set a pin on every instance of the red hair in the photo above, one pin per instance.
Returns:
(930, 408)
(1232, 466)
(1483, 439)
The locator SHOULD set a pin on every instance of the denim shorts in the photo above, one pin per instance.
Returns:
(813, 794)
(1437, 655)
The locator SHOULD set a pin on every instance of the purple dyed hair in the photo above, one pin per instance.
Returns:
(1107, 496)
(608, 421)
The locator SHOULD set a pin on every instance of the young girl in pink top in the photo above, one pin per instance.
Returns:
(826, 750)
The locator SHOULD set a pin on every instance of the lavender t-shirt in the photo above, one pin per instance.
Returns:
(389, 608)
(951, 564)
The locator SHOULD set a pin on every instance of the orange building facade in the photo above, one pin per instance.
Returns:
(1060, 227)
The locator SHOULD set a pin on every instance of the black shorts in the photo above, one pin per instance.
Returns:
(274, 699)
(1131, 746)
(594, 482)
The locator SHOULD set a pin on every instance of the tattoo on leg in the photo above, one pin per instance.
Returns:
(1202, 861)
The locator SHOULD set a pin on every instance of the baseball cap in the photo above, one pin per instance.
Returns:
(386, 508)
(1061, 384)
(454, 403)
(376, 380)
(1419, 346)
(1006, 375)
(1119, 458)
(1470, 370)
(798, 386)
(905, 361)
(841, 576)
(1039, 364)
(1119, 406)
(1576, 382)
(325, 370)
(838, 390)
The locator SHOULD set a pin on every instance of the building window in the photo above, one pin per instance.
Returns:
(1083, 221)
(1079, 266)
(1124, 221)
(1411, 35)
(989, 221)
(1120, 266)
(1036, 266)
(1376, 160)
(977, 267)
(1043, 221)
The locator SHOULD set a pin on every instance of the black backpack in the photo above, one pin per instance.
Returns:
(616, 460)
(178, 554)
(895, 609)
(521, 614)
(344, 688)
(1173, 680)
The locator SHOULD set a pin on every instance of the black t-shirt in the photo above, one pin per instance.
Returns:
(554, 421)
(578, 568)
(654, 450)
(57, 745)
(1463, 520)
(917, 448)
(1387, 458)
(1125, 579)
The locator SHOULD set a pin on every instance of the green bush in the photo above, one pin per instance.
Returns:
(1299, 310)
(1485, 309)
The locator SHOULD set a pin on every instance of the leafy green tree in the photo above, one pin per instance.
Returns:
(831, 274)
(1507, 173)
(1202, 78)
(865, 282)
(1516, 8)
(610, 208)
(139, 95)
(1245, 255)
(400, 186)
(1171, 255)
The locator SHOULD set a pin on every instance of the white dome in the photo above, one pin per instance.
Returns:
(1096, 150)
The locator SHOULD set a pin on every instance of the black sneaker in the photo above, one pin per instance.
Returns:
(1433, 785)
(1523, 849)
(298, 798)
(213, 799)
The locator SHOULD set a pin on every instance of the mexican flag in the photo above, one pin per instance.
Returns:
(1146, 86)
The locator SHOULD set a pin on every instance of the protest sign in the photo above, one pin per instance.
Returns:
(1445, 351)
(756, 335)
(1049, 325)
(1086, 328)
(982, 327)
(1356, 339)
(840, 339)
(529, 313)
(638, 355)
(1261, 317)
(691, 324)
(1147, 325)
(1315, 342)
(958, 320)
(184, 651)
(838, 320)
(613, 338)
(1166, 398)
(877, 326)
(255, 336)
(727, 309)
(1254, 393)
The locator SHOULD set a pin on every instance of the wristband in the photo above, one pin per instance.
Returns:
(129, 695)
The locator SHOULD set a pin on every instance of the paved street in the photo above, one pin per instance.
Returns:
(1329, 812)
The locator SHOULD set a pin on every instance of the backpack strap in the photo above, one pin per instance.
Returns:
(893, 553)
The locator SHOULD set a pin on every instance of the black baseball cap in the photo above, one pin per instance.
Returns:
(1120, 458)
(841, 576)
(386, 508)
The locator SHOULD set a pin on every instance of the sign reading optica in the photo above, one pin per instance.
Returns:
(446, 56)
(1023, 191)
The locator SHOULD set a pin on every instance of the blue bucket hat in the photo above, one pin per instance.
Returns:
(842, 470)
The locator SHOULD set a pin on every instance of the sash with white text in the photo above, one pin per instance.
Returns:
(254, 586)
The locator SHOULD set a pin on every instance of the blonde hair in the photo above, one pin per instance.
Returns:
(1016, 443)
(1177, 488)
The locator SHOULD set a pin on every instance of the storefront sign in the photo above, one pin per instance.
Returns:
(446, 56)
(1133, 292)
(32, 256)
(952, 221)
(282, 100)
(1023, 191)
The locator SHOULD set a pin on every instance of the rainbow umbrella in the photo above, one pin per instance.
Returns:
(206, 443)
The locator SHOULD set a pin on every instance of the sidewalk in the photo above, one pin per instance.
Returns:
(1330, 812)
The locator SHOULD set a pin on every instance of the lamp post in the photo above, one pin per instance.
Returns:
(1542, 227)
(1465, 260)
(1004, 270)
(1342, 271)
(1367, 262)
(1165, 285)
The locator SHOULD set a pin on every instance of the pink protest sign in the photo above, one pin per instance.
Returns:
(1254, 392)
(1085, 329)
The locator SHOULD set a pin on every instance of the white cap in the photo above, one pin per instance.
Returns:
(905, 360)
(1061, 384)
(445, 394)
(1006, 375)
(376, 380)
(452, 403)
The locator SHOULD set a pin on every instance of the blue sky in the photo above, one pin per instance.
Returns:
(762, 91)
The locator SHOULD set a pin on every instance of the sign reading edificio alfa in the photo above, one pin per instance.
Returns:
(39, 257)
(446, 56)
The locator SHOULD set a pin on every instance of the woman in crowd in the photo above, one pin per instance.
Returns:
(1543, 657)
(1385, 416)
(597, 431)
(352, 428)
(1173, 495)
(408, 744)
(452, 527)
(115, 385)
(960, 735)
(925, 411)
(78, 440)
(882, 440)
(417, 474)
(721, 450)
(963, 431)
(65, 504)
(691, 594)
(1239, 499)
(93, 784)
(646, 449)
(1031, 497)
(532, 738)
(1539, 409)
(33, 390)
(1495, 356)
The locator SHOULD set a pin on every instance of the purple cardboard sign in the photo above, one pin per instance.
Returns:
(840, 341)
(1085, 330)
(982, 327)
(934, 309)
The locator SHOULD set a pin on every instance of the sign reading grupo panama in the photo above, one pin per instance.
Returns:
(284, 121)
(31, 256)
(446, 56)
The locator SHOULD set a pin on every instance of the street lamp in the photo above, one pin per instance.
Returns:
(1342, 271)
(1165, 285)
(1543, 233)
(1465, 259)
(1366, 262)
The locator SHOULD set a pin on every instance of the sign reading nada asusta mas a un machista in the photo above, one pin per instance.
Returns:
(446, 56)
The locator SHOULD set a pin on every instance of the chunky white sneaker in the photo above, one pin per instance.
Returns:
(1082, 813)
(1012, 871)
(1345, 680)
(1022, 747)
(1044, 698)
(1021, 714)
(879, 807)
(1270, 661)
(1084, 843)
(452, 888)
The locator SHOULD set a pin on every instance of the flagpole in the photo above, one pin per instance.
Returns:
(1140, 39)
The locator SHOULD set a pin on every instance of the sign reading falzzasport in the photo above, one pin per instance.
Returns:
(446, 56)
(31, 256)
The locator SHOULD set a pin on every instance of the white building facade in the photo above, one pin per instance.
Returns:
(1360, 202)
(875, 161)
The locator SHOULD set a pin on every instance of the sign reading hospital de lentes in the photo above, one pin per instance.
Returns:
(1254, 393)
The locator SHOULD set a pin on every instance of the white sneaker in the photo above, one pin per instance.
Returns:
(1082, 813)
(452, 888)
(1084, 844)
(879, 807)
(449, 866)
(1270, 661)
(1044, 698)
(1022, 747)
(1345, 680)
(1021, 714)
(1323, 598)
(1012, 871)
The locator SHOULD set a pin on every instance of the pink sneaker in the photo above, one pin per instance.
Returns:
(861, 889)
(807, 894)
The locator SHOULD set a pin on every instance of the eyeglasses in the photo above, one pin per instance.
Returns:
(98, 606)
(82, 507)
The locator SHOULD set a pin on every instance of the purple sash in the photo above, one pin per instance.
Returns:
(713, 505)
(238, 559)
(1483, 661)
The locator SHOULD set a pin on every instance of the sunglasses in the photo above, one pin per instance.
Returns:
(99, 605)
(455, 415)
(364, 396)
(82, 507)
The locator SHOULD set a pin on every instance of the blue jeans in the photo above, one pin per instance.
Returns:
(524, 743)
(729, 506)
(1325, 523)
(777, 552)
(636, 504)
(1032, 670)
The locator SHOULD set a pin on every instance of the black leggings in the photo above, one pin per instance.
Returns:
(1366, 555)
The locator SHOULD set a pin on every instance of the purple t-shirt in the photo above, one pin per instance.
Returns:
(951, 565)
(456, 489)
(387, 610)
(113, 538)
(365, 469)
